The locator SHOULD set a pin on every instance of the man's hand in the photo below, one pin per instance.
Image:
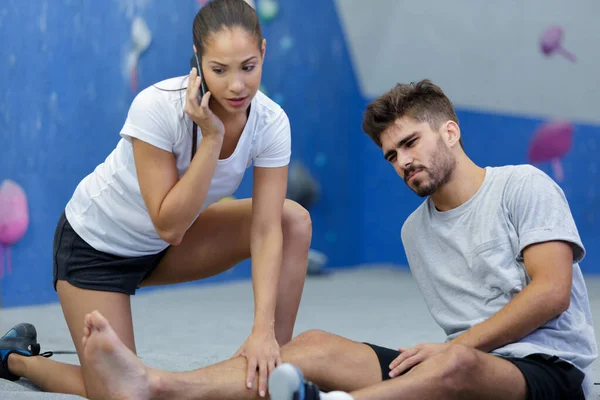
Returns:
(409, 357)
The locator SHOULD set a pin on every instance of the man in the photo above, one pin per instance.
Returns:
(495, 252)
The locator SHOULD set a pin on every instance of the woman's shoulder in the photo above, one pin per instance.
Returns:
(170, 85)
(268, 111)
(168, 94)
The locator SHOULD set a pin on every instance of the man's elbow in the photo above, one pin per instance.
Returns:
(564, 303)
(560, 300)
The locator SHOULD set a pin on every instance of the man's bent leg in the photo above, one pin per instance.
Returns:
(458, 373)
(465, 373)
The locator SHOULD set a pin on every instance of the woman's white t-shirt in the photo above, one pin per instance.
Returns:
(107, 209)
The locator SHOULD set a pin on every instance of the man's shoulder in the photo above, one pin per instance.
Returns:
(414, 220)
(523, 178)
(514, 173)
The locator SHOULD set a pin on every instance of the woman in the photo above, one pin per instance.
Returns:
(149, 215)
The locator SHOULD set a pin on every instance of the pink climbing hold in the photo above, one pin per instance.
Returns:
(551, 42)
(14, 219)
(550, 142)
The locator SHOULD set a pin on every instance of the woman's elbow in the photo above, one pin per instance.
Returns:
(172, 237)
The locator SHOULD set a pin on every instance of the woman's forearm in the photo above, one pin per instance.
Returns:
(184, 201)
(266, 249)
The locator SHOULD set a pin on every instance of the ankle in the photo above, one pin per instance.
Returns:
(16, 364)
(160, 383)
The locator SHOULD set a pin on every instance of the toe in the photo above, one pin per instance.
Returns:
(98, 321)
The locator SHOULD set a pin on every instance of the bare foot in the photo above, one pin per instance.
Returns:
(118, 371)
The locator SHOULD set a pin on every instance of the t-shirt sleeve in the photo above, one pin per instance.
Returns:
(149, 119)
(540, 212)
(275, 147)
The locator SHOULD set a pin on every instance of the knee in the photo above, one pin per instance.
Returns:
(314, 345)
(457, 366)
(296, 221)
(314, 337)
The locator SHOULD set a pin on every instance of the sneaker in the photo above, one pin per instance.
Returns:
(20, 339)
(287, 383)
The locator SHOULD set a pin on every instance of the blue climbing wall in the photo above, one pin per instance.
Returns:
(506, 78)
(64, 94)
(315, 83)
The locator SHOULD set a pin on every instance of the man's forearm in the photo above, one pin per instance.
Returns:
(530, 309)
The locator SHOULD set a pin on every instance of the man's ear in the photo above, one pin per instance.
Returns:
(451, 132)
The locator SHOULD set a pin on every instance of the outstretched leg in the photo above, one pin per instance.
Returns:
(458, 373)
(338, 362)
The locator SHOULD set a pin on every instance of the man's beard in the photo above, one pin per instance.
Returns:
(439, 173)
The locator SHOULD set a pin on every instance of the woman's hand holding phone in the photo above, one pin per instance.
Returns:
(198, 110)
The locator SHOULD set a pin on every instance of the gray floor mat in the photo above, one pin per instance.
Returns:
(189, 327)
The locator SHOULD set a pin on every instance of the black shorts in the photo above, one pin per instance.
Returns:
(82, 266)
(547, 377)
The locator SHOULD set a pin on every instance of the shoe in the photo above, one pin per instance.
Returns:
(287, 383)
(20, 339)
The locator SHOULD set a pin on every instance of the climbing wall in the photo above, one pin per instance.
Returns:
(523, 77)
(72, 68)
(524, 82)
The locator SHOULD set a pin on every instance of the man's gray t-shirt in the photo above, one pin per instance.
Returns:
(468, 261)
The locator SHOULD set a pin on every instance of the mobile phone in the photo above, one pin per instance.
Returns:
(195, 63)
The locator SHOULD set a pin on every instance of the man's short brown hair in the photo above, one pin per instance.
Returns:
(423, 101)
